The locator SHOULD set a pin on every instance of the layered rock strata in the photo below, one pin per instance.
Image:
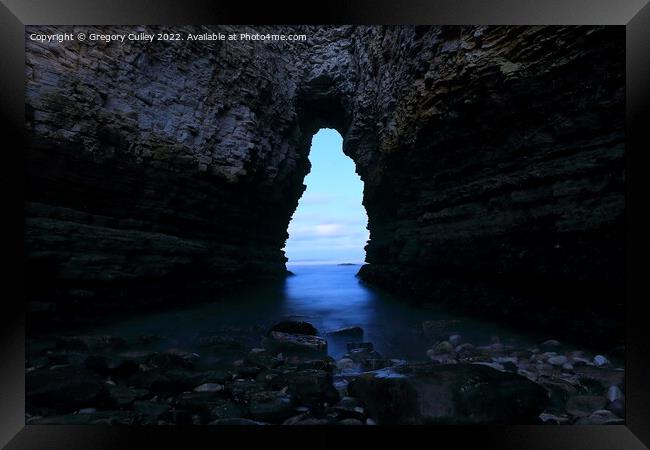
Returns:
(492, 157)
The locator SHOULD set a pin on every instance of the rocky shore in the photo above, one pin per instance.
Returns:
(283, 375)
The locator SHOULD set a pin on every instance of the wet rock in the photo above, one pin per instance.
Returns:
(554, 419)
(94, 418)
(601, 361)
(219, 376)
(584, 405)
(64, 389)
(614, 393)
(242, 389)
(558, 360)
(426, 393)
(346, 365)
(209, 387)
(551, 343)
(111, 365)
(270, 406)
(444, 347)
(295, 343)
(356, 422)
(248, 371)
(465, 350)
(226, 409)
(600, 417)
(235, 422)
(367, 346)
(491, 365)
(168, 361)
(295, 327)
(307, 386)
(123, 396)
(149, 408)
(606, 377)
(200, 403)
(559, 391)
(155, 382)
(617, 407)
(262, 358)
(327, 364)
(346, 408)
(441, 358)
(350, 332)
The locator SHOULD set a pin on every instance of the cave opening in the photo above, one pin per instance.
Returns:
(329, 226)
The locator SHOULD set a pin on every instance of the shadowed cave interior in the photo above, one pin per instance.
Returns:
(165, 176)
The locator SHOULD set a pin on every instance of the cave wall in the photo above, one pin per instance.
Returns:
(498, 184)
(157, 169)
(492, 159)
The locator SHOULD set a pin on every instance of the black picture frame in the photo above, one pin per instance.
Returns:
(633, 14)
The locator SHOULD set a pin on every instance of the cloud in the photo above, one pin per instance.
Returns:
(328, 229)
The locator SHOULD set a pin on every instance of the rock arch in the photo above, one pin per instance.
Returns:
(492, 159)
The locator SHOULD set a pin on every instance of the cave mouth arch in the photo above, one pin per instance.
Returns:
(330, 223)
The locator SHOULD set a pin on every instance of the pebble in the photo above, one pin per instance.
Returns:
(444, 347)
(614, 393)
(580, 361)
(557, 360)
(209, 387)
(602, 417)
(496, 366)
(600, 361)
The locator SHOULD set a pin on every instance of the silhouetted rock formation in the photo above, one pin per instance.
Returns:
(492, 159)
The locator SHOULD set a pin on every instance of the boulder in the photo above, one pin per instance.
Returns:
(152, 409)
(226, 409)
(460, 393)
(307, 386)
(262, 358)
(123, 396)
(270, 406)
(64, 389)
(606, 377)
(219, 343)
(584, 405)
(281, 342)
(209, 387)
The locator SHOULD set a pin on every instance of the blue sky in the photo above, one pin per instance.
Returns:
(329, 225)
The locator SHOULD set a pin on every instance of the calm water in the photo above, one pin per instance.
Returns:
(329, 297)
